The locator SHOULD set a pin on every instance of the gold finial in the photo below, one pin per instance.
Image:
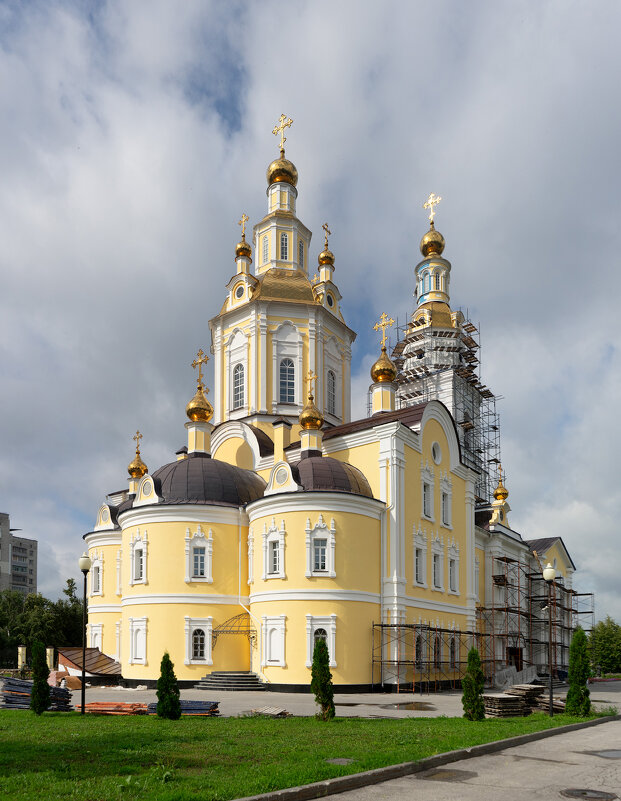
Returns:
(283, 123)
(501, 493)
(327, 233)
(431, 201)
(242, 222)
(200, 360)
(383, 323)
(310, 416)
(315, 278)
(137, 468)
(309, 379)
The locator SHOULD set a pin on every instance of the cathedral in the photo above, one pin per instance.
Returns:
(282, 520)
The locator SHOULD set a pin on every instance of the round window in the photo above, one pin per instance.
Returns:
(282, 475)
(147, 488)
(436, 453)
(239, 292)
(330, 300)
(105, 515)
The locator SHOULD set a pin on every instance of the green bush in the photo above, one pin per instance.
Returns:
(168, 705)
(605, 646)
(40, 694)
(578, 700)
(472, 685)
(321, 681)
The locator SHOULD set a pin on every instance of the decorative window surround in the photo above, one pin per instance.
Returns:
(198, 540)
(477, 568)
(273, 639)
(287, 343)
(276, 535)
(235, 356)
(446, 497)
(138, 641)
(314, 622)
(119, 567)
(426, 491)
(138, 551)
(117, 637)
(320, 531)
(419, 546)
(95, 631)
(453, 560)
(205, 624)
(437, 551)
(250, 556)
(97, 573)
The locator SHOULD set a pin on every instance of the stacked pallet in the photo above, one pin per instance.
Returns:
(558, 704)
(16, 695)
(531, 693)
(113, 708)
(194, 708)
(500, 705)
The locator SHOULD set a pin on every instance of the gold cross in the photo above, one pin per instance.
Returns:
(315, 278)
(383, 323)
(310, 378)
(137, 439)
(431, 201)
(327, 233)
(243, 222)
(200, 360)
(280, 129)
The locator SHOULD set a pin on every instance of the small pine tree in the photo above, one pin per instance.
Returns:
(578, 700)
(321, 681)
(40, 693)
(168, 705)
(472, 685)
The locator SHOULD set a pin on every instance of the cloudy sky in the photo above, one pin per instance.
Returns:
(133, 137)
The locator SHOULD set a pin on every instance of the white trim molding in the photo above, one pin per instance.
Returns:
(250, 556)
(419, 552)
(119, 573)
(138, 641)
(273, 641)
(328, 623)
(138, 571)
(426, 491)
(96, 577)
(437, 563)
(95, 631)
(453, 567)
(321, 531)
(274, 551)
(193, 625)
(198, 540)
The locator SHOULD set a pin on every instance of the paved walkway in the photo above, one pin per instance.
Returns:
(538, 770)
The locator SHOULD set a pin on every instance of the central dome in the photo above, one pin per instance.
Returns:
(282, 170)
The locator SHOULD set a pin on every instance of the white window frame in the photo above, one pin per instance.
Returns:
(289, 382)
(273, 625)
(446, 507)
(250, 556)
(453, 558)
(239, 386)
(236, 353)
(283, 252)
(477, 577)
(287, 343)
(95, 632)
(97, 571)
(117, 635)
(324, 532)
(419, 543)
(426, 480)
(437, 651)
(276, 535)
(137, 625)
(265, 249)
(331, 392)
(301, 254)
(333, 360)
(191, 625)
(437, 550)
(314, 622)
(119, 569)
(138, 542)
(198, 540)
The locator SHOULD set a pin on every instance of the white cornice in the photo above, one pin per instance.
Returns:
(97, 609)
(436, 606)
(95, 539)
(315, 595)
(181, 513)
(315, 502)
(182, 598)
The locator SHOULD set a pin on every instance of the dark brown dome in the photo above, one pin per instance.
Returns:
(324, 474)
(200, 479)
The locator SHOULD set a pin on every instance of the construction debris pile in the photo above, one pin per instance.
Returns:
(16, 695)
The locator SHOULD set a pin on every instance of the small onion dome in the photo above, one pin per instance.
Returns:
(326, 257)
(243, 249)
(501, 493)
(199, 408)
(383, 371)
(282, 170)
(432, 243)
(311, 417)
(137, 468)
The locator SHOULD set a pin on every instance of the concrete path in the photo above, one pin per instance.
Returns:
(538, 770)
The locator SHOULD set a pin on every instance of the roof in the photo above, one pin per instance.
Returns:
(543, 544)
(324, 474)
(410, 417)
(95, 662)
(282, 284)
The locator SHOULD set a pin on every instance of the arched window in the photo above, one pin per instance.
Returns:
(418, 657)
(437, 652)
(437, 282)
(287, 381)
(331, 392)
(301, 254)
(320, 634)
(198, 644)
(284, 246)
(452, 657)
(425, 282)
(238, 386)
(265, 250)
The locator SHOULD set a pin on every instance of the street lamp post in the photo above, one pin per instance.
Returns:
(85, 565)
(549, 574)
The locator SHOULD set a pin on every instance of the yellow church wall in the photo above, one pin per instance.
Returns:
(108, 575)
(555, 551)
(365, 457)
(235, 451)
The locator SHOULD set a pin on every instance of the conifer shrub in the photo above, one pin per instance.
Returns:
(40, 693)
(168, 705)
(321, 681)
(578, 700)
(472, 685)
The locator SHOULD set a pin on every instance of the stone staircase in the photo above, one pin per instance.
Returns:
(557, 684)
(220, 680)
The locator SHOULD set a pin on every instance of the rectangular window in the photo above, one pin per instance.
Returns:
(427, 499)
(446, 515)
(452, 575)
(199, 562)
(138, 566)
(274, 557)
(418, 556)
(96, 579)
(437, 578)
(319, 554)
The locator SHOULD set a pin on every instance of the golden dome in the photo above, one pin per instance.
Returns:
(282, 170)
(326, 257)
(501, 493)
(383, 371)
(243, 249)
(432, 243)
(199, 408)
(311, 417)
(137, 468)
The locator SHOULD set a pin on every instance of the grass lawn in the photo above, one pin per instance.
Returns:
(67, 756)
